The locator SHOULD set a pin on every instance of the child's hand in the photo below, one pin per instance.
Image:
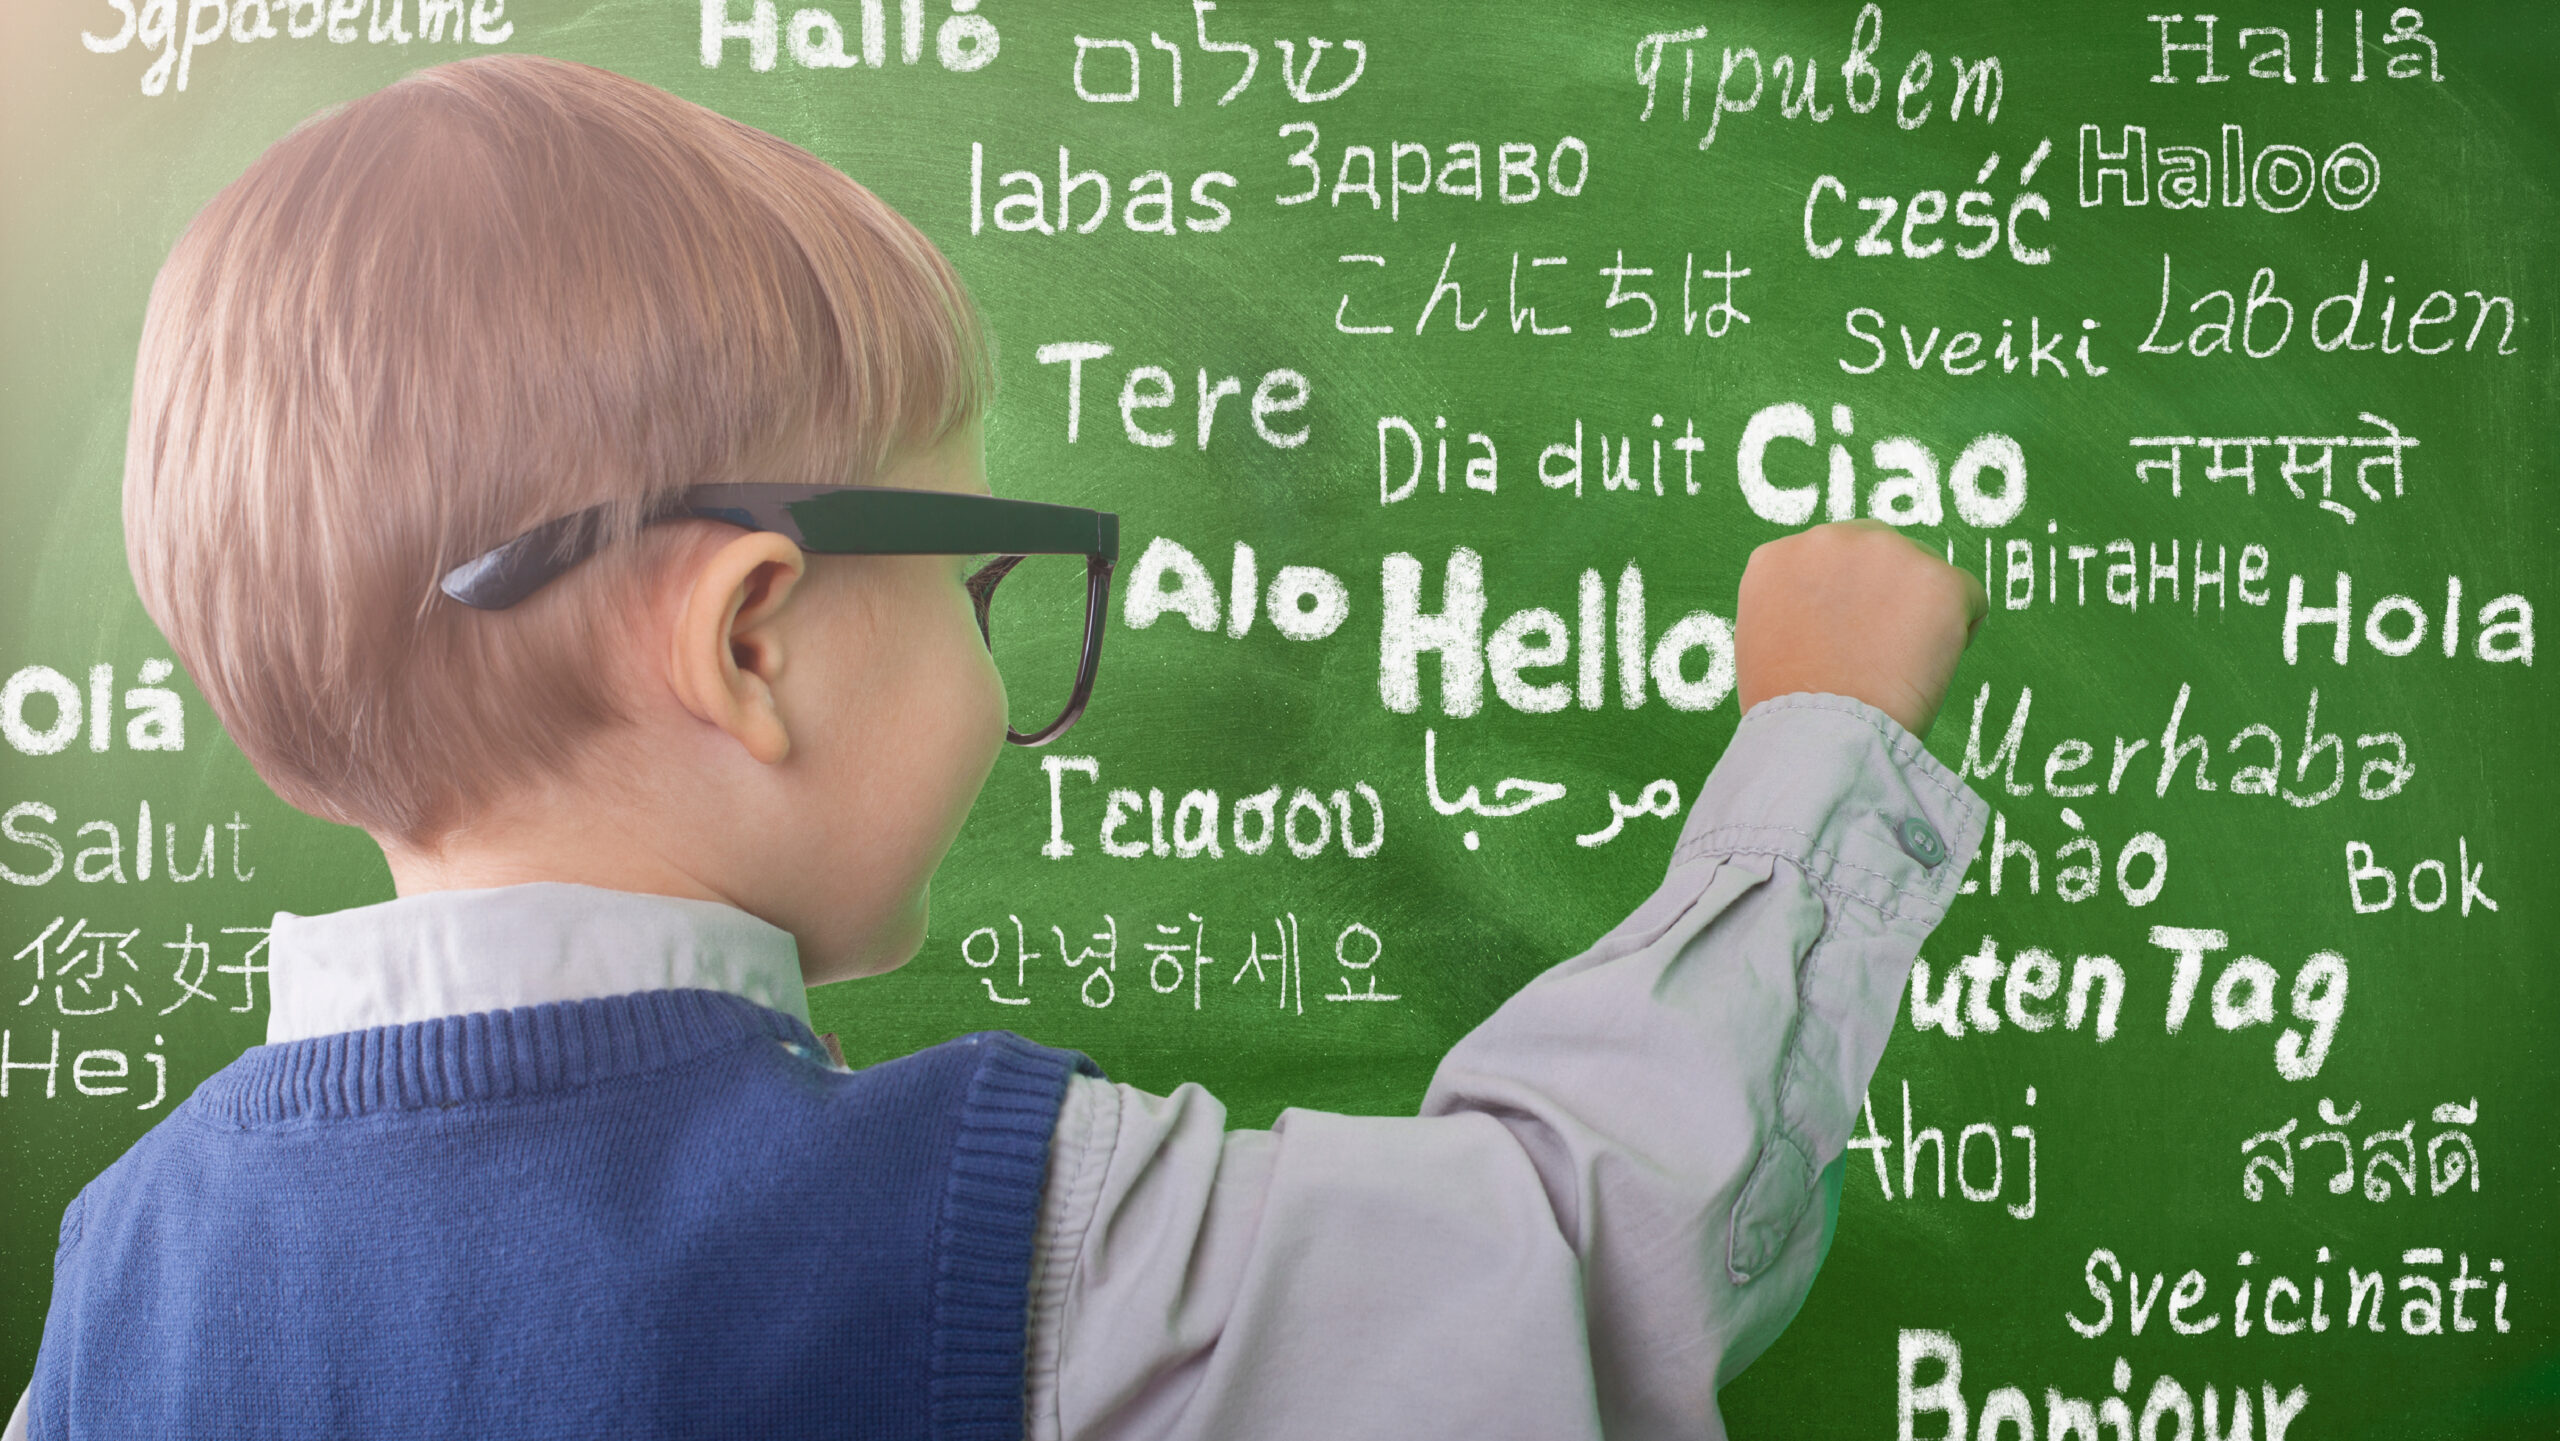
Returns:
(1855, 609)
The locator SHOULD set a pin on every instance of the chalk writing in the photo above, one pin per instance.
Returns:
(29, 824)
(156, 27)
(155, 718)
(1179, 962)
(1974, 209)
(2280, 180)
(1962, 353)
(2319, 773)
(2244, 995)
(2167, 1402)
(2293, 470)
(1979, 83)
(2452, 1158)
(2436, 1304)
(2409, 53)
(2364, 873)
(1307, 823)
(89, 969)
(2503, 629)
(1932, 1141)
(1622, 310)
(2213, 334)
(1022, 204)
(965, 40)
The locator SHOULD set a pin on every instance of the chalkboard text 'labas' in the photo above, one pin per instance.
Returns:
(1022, 204)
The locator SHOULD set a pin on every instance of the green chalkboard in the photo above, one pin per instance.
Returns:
(2219, 345)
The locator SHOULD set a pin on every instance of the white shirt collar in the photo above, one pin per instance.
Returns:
(445, 953)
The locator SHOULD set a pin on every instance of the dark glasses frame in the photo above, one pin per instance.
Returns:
(844, 520)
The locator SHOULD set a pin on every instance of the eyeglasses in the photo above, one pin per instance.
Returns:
(1022, 538)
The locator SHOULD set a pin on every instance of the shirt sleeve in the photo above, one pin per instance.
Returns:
(1618, 1188)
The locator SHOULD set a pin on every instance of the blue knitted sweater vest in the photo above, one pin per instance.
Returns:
(656, 1214)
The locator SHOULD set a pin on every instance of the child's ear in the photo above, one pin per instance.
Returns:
(727, 652)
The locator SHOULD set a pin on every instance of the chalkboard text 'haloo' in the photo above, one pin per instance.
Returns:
(2281, 180)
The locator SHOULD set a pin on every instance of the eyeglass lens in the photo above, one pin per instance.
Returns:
(1032, 611)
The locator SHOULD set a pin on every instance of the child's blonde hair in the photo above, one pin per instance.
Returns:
(496, 292)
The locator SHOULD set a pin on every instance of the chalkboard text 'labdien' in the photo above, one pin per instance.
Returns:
(2213, 333)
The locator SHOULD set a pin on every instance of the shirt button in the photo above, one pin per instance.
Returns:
(1920, 842)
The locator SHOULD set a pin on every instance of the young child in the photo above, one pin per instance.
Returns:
(545, 1146)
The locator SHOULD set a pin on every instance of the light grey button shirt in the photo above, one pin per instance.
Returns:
(1614, 1198)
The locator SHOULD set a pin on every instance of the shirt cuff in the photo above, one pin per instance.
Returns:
(1839, 790)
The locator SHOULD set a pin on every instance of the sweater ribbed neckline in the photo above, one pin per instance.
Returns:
(484, 1056)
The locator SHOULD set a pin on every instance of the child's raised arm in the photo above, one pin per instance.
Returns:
(1621, 1184)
